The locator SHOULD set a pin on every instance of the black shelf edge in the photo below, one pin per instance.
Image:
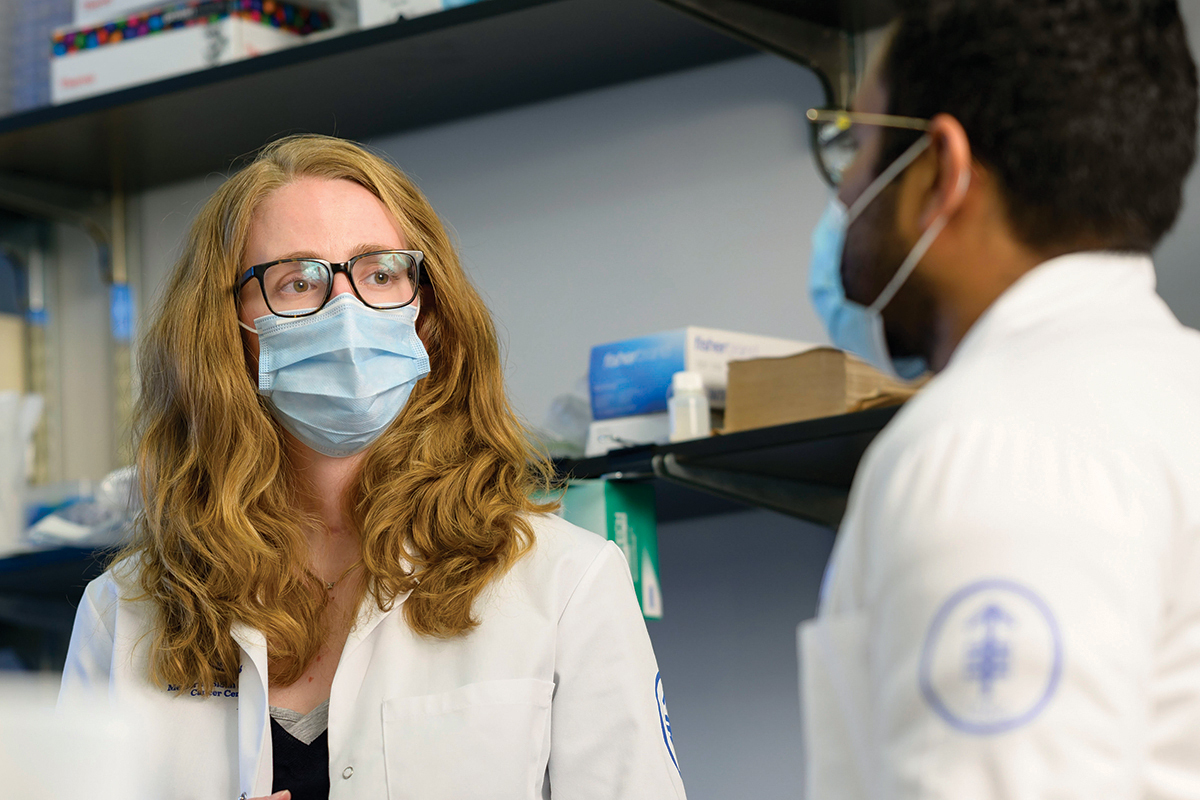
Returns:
(852, 16)
(803, 469)
(638, 461)
(60, 572)
(476, 59)
(301, 53)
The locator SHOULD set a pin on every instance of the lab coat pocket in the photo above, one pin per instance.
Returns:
(485, 741)
(835, 692)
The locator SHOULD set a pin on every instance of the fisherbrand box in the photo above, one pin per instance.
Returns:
(633, 376)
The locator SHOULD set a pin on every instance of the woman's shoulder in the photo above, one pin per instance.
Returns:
(114, 587)
(560, 556)
(556, 538)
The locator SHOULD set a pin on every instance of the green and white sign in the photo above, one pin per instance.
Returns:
(624, 512)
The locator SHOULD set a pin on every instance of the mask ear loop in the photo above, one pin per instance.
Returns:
(886, 177)
(919, 249)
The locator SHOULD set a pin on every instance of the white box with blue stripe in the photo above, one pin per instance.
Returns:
(633, 376)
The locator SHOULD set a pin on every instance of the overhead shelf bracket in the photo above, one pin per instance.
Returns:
(45, 200)
(823, 505)
(828, 51)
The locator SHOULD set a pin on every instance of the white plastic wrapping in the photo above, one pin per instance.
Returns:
(19, 415)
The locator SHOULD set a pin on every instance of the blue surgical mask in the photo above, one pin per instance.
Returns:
(853, 327)
(337, 379)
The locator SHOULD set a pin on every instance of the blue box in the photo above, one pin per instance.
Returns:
(633, 376)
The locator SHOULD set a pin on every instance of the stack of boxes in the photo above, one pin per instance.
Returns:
(628, 383)
(107, 45)
(103, 53)
(629, 380)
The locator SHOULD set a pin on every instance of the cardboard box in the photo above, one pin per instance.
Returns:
(162, 19)
(137, 61)
(108, 13)
(821, 382)
(633, 376)
(624, 513)
(12, 353)
(98, 12)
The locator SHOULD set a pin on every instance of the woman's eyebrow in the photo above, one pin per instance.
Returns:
(358, 250)
(296, 254)
(372, 248)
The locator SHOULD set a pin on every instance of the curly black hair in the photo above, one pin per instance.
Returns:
(1085, 110)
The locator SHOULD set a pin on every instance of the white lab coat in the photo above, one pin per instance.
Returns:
(556, 693)
(1012, 609)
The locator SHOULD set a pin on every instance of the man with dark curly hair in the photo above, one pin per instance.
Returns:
(1013, 605)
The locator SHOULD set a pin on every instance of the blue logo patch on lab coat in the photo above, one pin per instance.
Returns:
(664, 719)
(992, 658)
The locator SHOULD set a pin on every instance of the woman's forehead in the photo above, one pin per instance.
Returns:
(322, 218)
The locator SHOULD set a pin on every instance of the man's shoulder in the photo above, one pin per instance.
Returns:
(1120, 386)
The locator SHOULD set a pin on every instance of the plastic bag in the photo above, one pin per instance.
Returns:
(102, 520)
(19, 415)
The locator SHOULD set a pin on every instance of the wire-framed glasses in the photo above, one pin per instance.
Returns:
(833, 144)
(298, 287)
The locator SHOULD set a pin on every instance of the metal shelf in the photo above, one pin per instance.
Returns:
(41, 589)
(479, 58)
(803, 469)
(39, 592)
(491, 55)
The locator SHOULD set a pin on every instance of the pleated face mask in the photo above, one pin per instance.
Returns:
(337, 379)
(853, 327)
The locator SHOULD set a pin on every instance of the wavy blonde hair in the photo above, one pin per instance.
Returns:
(447, 488)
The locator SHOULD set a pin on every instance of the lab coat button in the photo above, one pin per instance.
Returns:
(347, 772)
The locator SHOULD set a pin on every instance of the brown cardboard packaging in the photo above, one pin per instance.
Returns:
(12, 353)
(822, 382)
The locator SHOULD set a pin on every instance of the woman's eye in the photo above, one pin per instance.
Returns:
(299, 286)
(380, 278)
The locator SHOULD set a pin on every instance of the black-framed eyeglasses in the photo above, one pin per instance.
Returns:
(298, 287)
(835, 148)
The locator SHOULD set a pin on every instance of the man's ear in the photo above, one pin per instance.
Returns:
(952, 151)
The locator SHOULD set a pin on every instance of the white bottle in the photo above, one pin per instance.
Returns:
(688, 407)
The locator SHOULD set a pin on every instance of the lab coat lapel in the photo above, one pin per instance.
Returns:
(255, 766)
(352, 667)
(369, 617)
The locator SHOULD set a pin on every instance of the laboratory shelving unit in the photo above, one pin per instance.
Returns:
(82, 158)
(491, 55)
(803, 469)
(484, 57)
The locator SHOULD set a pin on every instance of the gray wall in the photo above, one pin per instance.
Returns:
(1177, 259)
(686, 199)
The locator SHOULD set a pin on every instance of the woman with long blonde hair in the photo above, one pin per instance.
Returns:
(340, 584)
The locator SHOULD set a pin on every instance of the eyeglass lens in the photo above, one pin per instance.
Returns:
(294, 288)
(836, 148)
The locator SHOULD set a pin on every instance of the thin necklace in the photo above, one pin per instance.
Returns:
(330, 584)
